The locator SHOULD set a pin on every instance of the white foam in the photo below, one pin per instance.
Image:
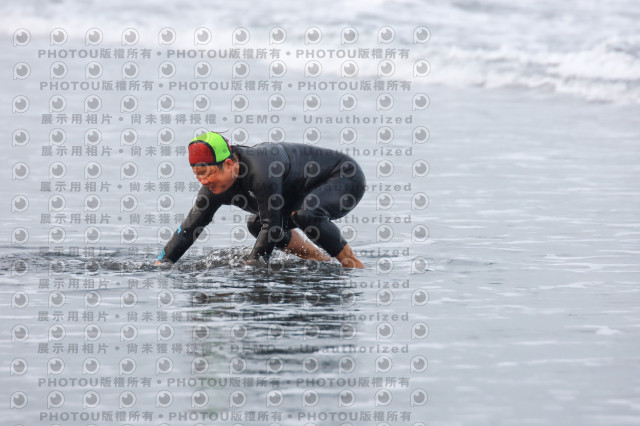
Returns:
(603, 330)
(606, 71)
(587, 50)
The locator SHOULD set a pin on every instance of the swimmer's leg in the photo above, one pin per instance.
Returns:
(318, 227)
(303, 248)
(348, 259)
(331, 200)
(293, 243)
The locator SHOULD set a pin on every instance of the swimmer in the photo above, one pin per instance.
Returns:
(288, 187)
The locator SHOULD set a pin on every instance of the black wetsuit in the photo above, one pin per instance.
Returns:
(286, 185)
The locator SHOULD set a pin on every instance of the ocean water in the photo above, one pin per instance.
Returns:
(499, 230)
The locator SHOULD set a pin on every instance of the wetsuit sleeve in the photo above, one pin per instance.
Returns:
(199, 217)
(268, 191)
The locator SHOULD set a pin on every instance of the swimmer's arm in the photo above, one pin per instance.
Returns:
(270, 203)
(200, 216)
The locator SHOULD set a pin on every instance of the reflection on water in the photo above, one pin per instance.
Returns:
(275, 324)
(205, 340)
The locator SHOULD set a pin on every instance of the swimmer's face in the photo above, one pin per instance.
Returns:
(217, 180)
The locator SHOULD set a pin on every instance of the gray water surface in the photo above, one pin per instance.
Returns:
(532, 308)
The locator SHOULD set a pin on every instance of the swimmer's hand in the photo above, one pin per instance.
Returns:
(256, 262)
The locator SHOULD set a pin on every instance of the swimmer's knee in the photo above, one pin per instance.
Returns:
(307, 217)
(296, 215)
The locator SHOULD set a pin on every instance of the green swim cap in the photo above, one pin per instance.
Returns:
(208, 148)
